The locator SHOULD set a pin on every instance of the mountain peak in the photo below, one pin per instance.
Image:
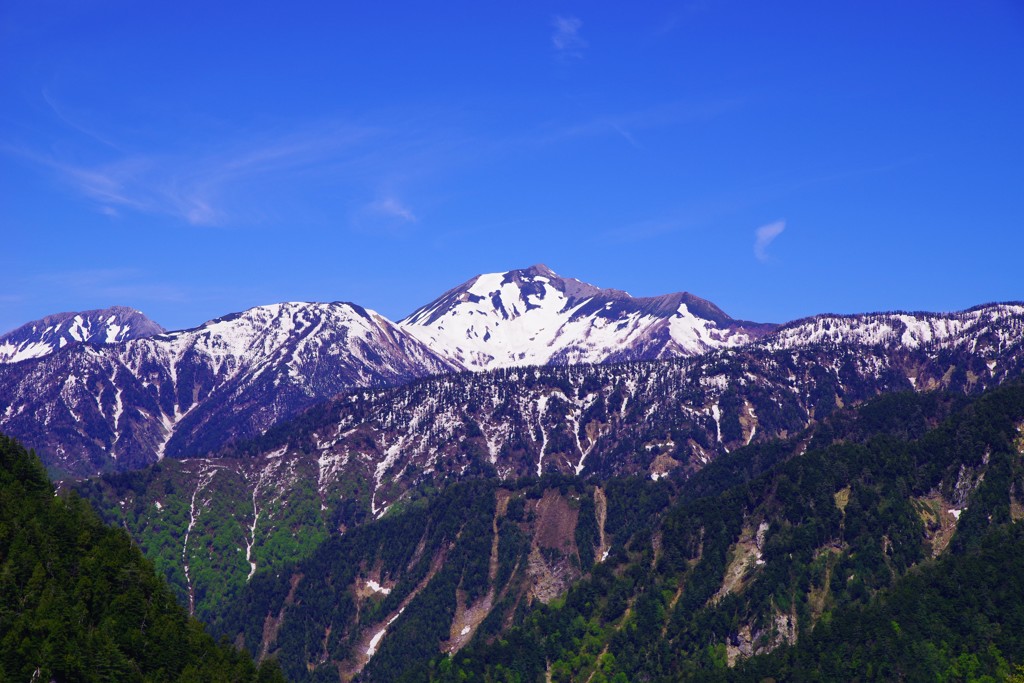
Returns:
(99, 326)
(532, 316)
(540, 269)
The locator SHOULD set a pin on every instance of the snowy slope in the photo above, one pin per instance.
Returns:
(534, 317)
(105, 326)
(89, 408)
(106, 389)
(993, 324)
(626, 418)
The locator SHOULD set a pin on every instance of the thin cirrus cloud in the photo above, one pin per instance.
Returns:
(391, 207)
(566, 37)
(205, 188)
(764, 236)
(628, 124)
(386, 216)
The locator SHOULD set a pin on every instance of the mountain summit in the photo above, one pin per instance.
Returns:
(103, 326)
(533, 316)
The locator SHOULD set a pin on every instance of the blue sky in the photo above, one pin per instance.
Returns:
(781, 159)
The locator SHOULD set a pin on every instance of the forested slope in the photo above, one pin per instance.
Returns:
(957, 619)
(78, 602)
(823, 562)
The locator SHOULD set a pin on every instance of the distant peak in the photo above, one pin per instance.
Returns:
(539, 269)
(97, 326)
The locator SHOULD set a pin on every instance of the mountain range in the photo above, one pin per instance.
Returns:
(531, 476)
(110, 390)
(475, 576)
(93, 407)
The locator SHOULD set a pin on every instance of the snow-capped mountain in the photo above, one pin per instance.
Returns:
(106, 390)
(534, 317)
(89, 408)
(616, 419)
(996, 325)
(368, 449)
(54, 332)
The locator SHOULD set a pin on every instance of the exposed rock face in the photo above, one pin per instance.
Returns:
(632, 418)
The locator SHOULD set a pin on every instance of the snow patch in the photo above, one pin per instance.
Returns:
(375, 641)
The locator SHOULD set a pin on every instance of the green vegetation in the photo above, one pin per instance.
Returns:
(78, 602)
(157, 505)
(809, 567)
(832, 555)
(958, 619)
(424, 553)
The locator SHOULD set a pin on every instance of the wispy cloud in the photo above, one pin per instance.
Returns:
(386, 215)
(391, 207)
(627, 124)
(73, 121)
(205, 186)
(682, 12)
(764, 236)
(566, 38)
(640, 231)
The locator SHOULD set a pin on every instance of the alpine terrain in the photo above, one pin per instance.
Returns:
(211, 523)
(54, 332)
(105, 405)
(534, 317)
(89, 408)
(532, 478)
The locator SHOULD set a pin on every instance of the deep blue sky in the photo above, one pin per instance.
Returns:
(194, 158)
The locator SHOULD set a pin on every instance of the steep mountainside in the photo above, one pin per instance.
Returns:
(678, 578)
(795, 553)
(79, 603)
(88, 409)
(54, 332)
(390, 593)
(949, 621)
(534, 317)
(647, 417)
(272, 499)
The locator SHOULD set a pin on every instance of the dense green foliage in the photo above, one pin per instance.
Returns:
(157, 506)
(807, 554)
(958, 619)
(78, 602)
(429, 550)
(438, 557)
(843, 546)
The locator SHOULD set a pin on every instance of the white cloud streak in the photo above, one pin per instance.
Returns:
(764, 236)
(391, 207)
(199, 188)
(566, 38)
(627, 124)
